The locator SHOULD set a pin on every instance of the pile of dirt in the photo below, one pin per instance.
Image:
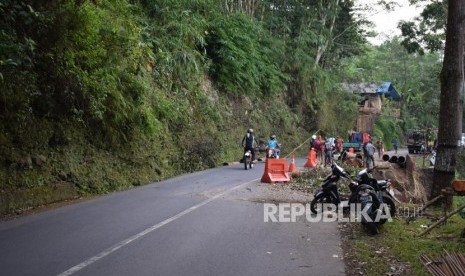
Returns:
(412, 184)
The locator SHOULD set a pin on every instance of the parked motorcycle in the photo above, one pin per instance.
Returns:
(383, 189)
(329, 192)
(365, 195)
(374, 196)
(377, 194)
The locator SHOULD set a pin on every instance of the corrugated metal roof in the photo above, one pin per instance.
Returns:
(361, 88)
(388, 90)
(385, 88)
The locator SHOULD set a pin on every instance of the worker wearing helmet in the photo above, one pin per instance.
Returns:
(273, 145)
(312, 141)
(249, 143)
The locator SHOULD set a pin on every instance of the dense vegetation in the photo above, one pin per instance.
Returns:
(104, 95)
(415, 76)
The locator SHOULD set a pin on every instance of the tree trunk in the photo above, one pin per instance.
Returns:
(451, 109)
(332, 8)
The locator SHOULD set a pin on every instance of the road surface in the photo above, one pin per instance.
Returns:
(205, 223)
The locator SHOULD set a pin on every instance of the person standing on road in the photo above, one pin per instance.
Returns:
(396, 145)
(370, 152)
(328, 152)
(379, 146)
(312, 141)
(339, 142)
(319, 147)
(249, 143)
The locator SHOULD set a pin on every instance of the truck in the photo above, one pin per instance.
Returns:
(356, 141)
(416, 141)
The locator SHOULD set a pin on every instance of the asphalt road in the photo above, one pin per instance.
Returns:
(205, 223)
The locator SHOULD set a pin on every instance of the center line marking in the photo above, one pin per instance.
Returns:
(127, 241)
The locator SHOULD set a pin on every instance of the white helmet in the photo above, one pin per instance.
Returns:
(313, 136)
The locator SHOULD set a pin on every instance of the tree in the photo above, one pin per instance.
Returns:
(428, 30)
(451, 107)
(244, 6)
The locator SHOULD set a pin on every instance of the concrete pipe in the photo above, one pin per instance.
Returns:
(393, 159)
(401, 161)
(385, 157)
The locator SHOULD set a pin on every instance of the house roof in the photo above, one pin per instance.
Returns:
(365, 88)
(388, 90)
(361, 88)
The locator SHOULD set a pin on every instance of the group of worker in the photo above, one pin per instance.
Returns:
(325, 148)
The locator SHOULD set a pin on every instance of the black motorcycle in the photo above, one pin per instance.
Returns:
(377, 195)
(329, 192)
(370, 204)
(383, 189)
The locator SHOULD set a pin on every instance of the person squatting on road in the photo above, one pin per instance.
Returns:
(249, 143)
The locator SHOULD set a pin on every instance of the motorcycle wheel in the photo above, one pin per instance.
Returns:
(391, 206)
(246, 162)
(372, 227)
(390, 203)
(319, 200)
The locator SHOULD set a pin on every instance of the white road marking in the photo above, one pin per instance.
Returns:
(127, 241)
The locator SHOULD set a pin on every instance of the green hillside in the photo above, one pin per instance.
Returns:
(100, 96)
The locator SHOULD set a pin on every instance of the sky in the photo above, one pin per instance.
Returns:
(386, 21)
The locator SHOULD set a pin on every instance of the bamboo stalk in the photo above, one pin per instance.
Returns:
(442, 220)
(450, 264)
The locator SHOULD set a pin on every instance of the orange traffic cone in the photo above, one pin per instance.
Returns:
(292, 165)
(311, 161)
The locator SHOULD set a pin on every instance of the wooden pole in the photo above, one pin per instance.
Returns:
(442, 220)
